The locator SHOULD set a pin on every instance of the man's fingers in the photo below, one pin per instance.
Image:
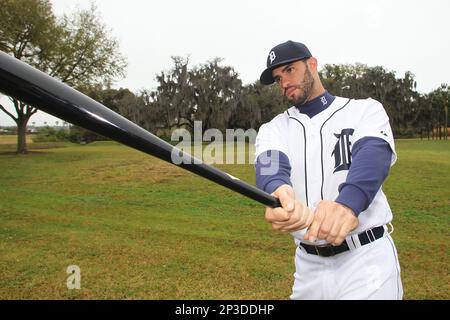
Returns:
(305, 217)
(310, 215)
(293, 227)
(342, 234)
(311, 234)
(277, 215)
(334, 232)
(332, 222)
(286, 199)
(326, 226)
(313, 231)
(300, 218)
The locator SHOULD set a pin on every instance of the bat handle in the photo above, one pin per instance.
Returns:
(277, 203)
(263, 197)
(296, 234)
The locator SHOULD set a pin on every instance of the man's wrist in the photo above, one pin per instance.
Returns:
(283, 186)
(352, 197)
(274, 185)
(348, 209)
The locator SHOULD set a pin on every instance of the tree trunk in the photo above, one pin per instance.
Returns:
(22, 135)
(446, 122)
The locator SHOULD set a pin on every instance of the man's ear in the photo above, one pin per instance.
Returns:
(312, 64)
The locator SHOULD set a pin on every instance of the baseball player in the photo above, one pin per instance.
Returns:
(326, 158)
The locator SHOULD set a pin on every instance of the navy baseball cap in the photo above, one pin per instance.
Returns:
(282, 54)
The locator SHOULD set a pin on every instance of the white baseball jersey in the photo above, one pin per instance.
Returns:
(320, 148)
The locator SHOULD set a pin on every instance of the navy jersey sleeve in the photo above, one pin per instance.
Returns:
(371, 161)
(272, 170)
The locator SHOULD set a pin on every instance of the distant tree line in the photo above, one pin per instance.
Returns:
(411, 113)
(80, 51)
(210, 93)
(215, 95)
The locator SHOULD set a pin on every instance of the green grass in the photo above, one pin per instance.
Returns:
(8, 144)
(140, 228)
(418, 190)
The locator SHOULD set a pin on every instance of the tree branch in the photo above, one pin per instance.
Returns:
(33, 111)
(80, 58)
(79, 75)
(57, 67)
(8, 113)
(17, 106)
(30, 111)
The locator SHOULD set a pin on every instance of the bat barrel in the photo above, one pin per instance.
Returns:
(31, 86)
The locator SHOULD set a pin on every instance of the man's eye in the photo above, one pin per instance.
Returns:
(289, 70)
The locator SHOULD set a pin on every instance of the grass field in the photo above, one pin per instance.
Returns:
(140, 228)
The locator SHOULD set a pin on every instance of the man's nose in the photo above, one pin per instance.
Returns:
(284, 84)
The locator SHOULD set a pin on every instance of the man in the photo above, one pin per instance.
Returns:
(331, 155)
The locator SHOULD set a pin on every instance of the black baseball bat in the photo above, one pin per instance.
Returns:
(29, 85)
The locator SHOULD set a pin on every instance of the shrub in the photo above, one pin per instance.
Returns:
(48, 134)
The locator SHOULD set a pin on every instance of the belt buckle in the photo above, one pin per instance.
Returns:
(326, 252)
(373, 235)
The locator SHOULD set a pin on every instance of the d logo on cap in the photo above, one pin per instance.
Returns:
(272, 56)
(286, 52)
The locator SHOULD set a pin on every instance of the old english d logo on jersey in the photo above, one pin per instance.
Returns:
(342, 154)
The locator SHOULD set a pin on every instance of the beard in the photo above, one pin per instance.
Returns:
(306, 88)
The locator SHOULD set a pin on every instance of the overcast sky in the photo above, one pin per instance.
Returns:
(401, 35)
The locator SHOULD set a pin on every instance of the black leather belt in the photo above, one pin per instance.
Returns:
(328, 250)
